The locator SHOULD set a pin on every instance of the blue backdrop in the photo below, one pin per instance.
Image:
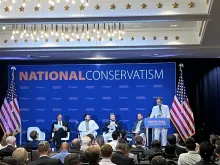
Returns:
(73, 90)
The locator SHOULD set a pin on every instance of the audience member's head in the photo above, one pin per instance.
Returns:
(3, 140)
(122, 146)
(64, 146)
(218, 151)
(100, 140)
(72, 159)
(138, 141)
(217, 143)
(190, 144)
(106, 151)
(21, 156)
(170, 150)
(85, 143)
(206, 150)
(34, 135)
(92, 137)
(115, 135)
(158, 160)
(76, 143)
(171, 139)
(93, 154)
(44, 148)
(213, 139)
(11, 140)
(156, 144)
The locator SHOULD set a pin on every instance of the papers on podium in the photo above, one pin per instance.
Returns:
(57, 126)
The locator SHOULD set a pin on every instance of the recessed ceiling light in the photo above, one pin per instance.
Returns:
(173, 25)
(98, 58)
(155, 54)
(44, 56)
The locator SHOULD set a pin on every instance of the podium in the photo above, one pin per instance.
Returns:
(155, 123)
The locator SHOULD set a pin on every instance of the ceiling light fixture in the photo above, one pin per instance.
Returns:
(173, 25)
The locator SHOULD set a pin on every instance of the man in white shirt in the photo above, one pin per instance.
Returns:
(160, 111)
(88, 126)
(192, 157)
(115, 137)
(106, 152)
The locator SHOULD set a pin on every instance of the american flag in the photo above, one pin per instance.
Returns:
(10, 119)
(181, 114)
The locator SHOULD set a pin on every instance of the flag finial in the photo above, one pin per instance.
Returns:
(181, 66)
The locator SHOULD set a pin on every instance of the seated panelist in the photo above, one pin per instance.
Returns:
(60, 129)
(88, 126)
(138, 128)
(110, 127)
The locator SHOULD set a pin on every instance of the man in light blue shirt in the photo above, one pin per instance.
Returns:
(160, 111)
(63, 152)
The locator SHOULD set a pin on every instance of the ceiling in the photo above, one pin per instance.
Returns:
(110, 29)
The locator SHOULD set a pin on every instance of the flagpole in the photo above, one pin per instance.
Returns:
(13, 91)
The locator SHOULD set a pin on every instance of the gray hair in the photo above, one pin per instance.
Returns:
(10, 140)
(20, 155)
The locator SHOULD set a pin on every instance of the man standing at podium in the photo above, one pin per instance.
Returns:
(160, 111)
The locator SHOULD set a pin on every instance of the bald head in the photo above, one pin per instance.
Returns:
(76, 143)
(64, 146)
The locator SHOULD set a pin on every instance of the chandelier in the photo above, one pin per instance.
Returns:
(69, 32)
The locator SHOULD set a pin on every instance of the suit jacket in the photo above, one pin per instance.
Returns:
(7, 151)
(180, 150)
(65, 124)
(44, 160)
(141, 149)
(142, 128)
(33, 145)
(121, 159)
(81, 153)
(165, 112)
(106, 129)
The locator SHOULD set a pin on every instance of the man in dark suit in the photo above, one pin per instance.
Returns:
(138, 127)
(10, 146)
(33, 145)
(76, 149)
(139, 147)
(44, 151)
(120, 157)
(111, 126)
(60, 131)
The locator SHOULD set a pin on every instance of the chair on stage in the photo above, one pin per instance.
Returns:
(64, 139)
(41, 134)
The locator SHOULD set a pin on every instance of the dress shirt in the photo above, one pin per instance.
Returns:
(157, 113)
(106, 161)
(113, 143)
(192, 157)
(138, 127)
(61, 155)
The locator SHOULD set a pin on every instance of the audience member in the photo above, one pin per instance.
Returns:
(106, 153)
(206, 151)
(21, 156)
(3, 141)
(155, 150)
(115, 137)
(44, 151)
(85, 143)
(72, 159)
(10, 146)
(123, 136)
(64, 148)
(213, 139)
(192, 156)
(76, 149)
(218, 154)
(139, 146)
(33, 144)
(100, 140)
(179, 148)
(217, 143)
(120, 157)
(158, 160)
(171, 139)
(92, 137)
(170, 152)
(93, 155)
(197, 147)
